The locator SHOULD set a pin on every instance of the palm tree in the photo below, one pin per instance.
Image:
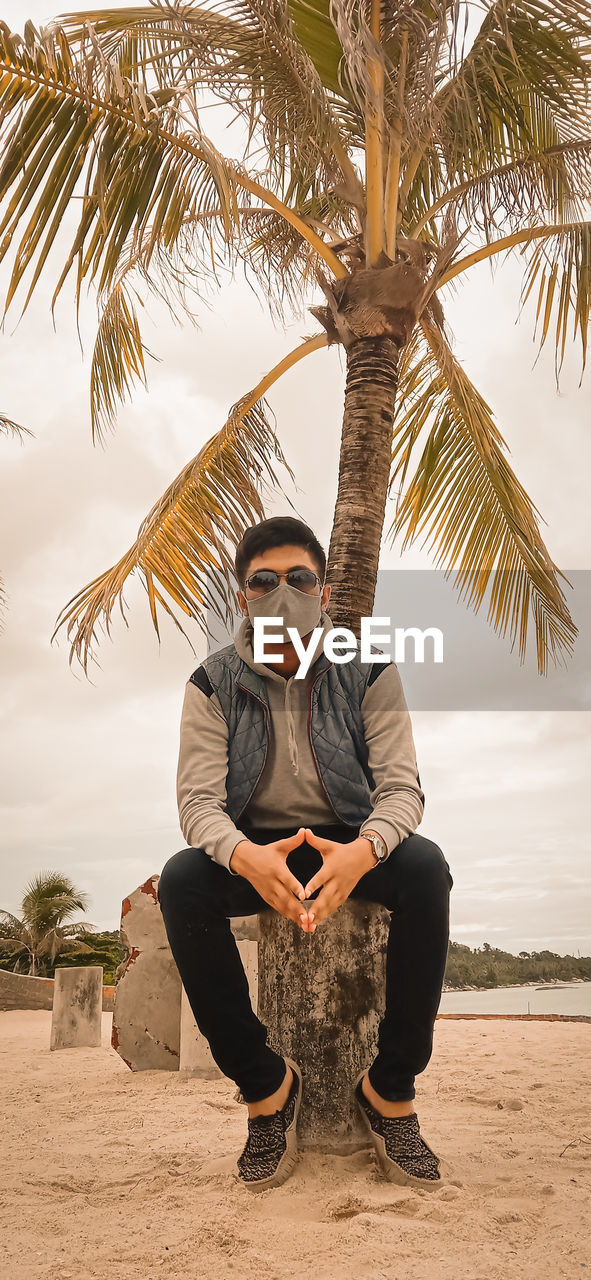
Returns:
(386, 148)
(44, 930)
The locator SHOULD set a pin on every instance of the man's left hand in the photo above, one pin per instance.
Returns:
(343, 865)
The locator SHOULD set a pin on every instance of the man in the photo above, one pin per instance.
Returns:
(291, 789)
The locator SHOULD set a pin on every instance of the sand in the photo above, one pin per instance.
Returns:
(128, 1176)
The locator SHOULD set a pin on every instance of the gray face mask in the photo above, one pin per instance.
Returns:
(297, 609)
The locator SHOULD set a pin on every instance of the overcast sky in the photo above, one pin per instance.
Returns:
(88, 773)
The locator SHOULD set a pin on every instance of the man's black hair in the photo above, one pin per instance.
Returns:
(279, 531)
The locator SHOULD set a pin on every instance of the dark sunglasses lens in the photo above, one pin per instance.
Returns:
(302, 579)
(264, 580)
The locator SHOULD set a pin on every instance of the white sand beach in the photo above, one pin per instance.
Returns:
(117, 1175)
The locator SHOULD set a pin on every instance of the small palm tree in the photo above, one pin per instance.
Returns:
(388, 147)
(44, 931)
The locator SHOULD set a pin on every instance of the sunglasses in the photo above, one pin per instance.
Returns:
(265, 580)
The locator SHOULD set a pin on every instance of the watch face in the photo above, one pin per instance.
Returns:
(379, 847)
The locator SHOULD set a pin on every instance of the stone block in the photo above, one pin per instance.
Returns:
(196, 1057)
(322, 997)
(77, 1007)
(147, 1012)
(148, 1009)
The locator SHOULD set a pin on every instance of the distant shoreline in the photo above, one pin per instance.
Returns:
(508, 986)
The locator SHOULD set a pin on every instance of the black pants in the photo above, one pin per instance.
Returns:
(197, 896)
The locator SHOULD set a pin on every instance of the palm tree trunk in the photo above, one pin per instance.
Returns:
(364, 471)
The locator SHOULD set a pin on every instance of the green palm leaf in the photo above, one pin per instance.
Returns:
(183, 543)
(541, 183)
(117, 360)
(558, 256)
(521, 86)
(561, 267)
(467, 500)
(250, 57)
(142, 168)
(104, 107)
(520, 89)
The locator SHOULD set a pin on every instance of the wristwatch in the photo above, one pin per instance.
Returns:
(377, 843)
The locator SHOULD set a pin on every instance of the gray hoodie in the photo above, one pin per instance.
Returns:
(289, 791)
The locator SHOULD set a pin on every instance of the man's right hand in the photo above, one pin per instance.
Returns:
(265, 867)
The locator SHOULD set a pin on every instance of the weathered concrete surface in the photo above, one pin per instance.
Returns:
(147, 1013)
(196, 1057)
(147, 1005)
(21, 991)
(321, 997)
(77, 1007)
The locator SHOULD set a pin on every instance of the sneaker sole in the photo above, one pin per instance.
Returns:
(394, 1171)
(290, 1156)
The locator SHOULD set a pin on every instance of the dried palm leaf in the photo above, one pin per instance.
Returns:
(184, 543)
(465, 497)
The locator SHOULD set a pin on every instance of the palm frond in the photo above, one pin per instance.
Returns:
(272, 253)
(522, 85)
(9, 921)
(54, 944)
(249, 57)
(275, 257)
(522, 88)
(12, 946)
(117, 358)
(466, 498)
(143, 40)
(565, 278)
(318, 36)
(275, 85)
(542, 183)
(10, 428)
(49, 898)
(74, 927)
(184, 543)
(560, 265)
(61, 118)
(145, 172)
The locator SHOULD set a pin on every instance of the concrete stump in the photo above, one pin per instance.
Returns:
(147, 1011)
(77, 1007)
(153, 1025)
(321, 997)
(196, 1057)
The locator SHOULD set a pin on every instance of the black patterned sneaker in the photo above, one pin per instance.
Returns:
(271, 1150)
(403, 1154)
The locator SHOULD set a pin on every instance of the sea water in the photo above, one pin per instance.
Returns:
(574, 998)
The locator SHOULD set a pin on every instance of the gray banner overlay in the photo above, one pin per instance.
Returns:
(479, 671)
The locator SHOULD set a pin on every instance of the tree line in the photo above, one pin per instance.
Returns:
(488, 966)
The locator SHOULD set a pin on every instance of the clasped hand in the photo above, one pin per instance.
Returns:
(265, 866)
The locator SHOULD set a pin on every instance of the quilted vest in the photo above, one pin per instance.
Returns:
(335, 729)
